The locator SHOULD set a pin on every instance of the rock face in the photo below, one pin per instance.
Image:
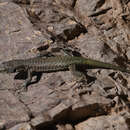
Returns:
(98, 29)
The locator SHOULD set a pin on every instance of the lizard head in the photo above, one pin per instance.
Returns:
(8, 67)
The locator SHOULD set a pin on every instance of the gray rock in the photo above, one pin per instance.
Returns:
(11, 110)
(53, 101)
(103, 122)
(24, 126)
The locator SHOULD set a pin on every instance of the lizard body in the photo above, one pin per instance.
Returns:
(53, 64)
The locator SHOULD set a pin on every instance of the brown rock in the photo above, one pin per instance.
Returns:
(22, 126)
(104, 122)
(11, 110)
(52, 101)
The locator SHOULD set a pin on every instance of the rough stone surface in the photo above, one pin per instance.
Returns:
(98, 29)
(22, 126)
(11, 110)
(16, 32)
(113, 122)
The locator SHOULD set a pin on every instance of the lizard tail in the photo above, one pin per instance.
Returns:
(99, 64)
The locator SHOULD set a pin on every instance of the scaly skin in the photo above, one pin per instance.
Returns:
(53, 64)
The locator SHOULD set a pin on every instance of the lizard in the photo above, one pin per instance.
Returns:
(54, 64)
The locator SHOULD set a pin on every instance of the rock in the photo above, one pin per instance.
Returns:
(128, 53)
(17, 32)
(103, 122)
(63, 27)
(22, 126)
(65, 127)
(11, 110)
(22, 1)
(95, 29)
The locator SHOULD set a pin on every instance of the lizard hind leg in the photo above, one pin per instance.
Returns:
(81, 82)
(78, 75)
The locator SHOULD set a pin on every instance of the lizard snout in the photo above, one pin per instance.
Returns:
(6, 67)
(2, 68)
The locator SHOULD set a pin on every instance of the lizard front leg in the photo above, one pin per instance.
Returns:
(28, 80)
(24, 86)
